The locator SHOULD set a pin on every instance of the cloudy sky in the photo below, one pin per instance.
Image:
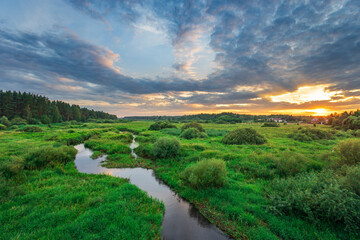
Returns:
(183, 57)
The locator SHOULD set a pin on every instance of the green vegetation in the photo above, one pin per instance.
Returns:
(310, 134)
(270, 124)
(190, 133)
(42, 196)
(317, 197)
(244, 136)
(166, 148)
(161, 125)
(205, 173)
(23, 108)
(32, 129)
(279, 189)
(192, 125)
(49, 157)
(223, 118)
(345, 120)
(349, 152)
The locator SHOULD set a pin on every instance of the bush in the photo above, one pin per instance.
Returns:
(166, 148)
(352, 179)
(34, 121)
(310, 134)
(348, 152)
(18, 121)
(193, 125)
(205, 173)
(49, 156)
(5, 121)
(13, 127)
(191, 133)
(316, 196)
(270, 124)
(2, 127)
(144, 151)
(32, 129)
(243, 136)
(11, 167)
(161, 125)
(45, 119)
(290, 164)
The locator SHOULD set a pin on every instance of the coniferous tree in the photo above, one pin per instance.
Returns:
(31, 108)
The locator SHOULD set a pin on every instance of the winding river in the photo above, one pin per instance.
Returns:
(181, 220)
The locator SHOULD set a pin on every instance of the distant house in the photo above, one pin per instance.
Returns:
(277, 120)
(318, 120)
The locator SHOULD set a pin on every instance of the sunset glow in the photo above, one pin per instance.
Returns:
(144, 58)
(306, 94)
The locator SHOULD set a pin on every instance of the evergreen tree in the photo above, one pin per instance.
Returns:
(33, 108)
(4, 121)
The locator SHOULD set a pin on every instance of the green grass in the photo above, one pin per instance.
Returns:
(59, 203)
(241, 207)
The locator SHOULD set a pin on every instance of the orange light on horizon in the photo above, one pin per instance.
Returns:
(306, 94)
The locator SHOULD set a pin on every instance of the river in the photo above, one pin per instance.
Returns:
(181, 220)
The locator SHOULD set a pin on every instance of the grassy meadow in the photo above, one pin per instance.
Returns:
(298, 184)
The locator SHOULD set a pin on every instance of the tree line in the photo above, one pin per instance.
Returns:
(221, 118)
(34, 109)
(345, 120)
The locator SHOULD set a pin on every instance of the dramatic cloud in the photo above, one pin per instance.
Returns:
(210, 56)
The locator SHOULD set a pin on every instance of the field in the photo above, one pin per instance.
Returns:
(254, 202)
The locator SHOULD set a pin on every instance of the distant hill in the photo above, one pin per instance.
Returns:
(35, 108)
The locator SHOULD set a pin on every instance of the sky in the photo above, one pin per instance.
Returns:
(137, 58)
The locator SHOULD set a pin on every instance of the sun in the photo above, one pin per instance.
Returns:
(319, 111)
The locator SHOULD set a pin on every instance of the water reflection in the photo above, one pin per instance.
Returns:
(181, 219)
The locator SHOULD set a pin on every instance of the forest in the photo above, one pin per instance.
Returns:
(35, 109)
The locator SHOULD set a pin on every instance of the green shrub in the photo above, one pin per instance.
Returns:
(5, 121)
(348, 152)
(270, 124)
(2, 127)
(290, 164)
(342, 134)
(34, 121)
(18, 121)
(352, 179)
(191, 133)
(161, 125)
(316, 196)
(49, 156)
(192, 125)
(205, 173)
(310, 134)
(244, 136)
(144, 151)
(355, 133)
(12, 166)
(32, 129)
(166, 148)
(13, 127)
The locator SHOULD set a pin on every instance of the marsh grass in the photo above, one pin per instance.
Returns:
(240, 207)
(42, 196)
